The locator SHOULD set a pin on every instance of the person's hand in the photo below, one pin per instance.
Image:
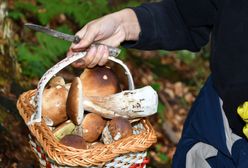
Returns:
(109, 30)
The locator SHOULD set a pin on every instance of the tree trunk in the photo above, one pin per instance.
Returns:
(14, 147)
(9, 68)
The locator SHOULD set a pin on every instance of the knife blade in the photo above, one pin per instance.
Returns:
(114, 52)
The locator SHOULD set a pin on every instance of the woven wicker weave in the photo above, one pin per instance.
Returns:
(64, 155)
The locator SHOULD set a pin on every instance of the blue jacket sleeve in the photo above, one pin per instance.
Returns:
(174, 24)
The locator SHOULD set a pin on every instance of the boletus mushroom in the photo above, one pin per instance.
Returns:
(54, 105)
(57, 80)
(74, 141)
(74, 103)
(92, 127)
(99, 81)
(119, 128)
(63, 129)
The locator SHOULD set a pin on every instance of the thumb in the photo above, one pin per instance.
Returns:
(88, 38)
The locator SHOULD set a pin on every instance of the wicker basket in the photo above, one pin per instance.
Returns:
(127, 152)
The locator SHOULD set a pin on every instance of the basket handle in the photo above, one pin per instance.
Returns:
(36, 116)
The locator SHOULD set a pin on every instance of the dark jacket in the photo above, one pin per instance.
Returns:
(189, 24)
(206, 125)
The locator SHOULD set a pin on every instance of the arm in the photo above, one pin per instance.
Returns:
(174, 24)
(151, 26)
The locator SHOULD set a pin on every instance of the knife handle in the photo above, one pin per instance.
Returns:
(113, 51)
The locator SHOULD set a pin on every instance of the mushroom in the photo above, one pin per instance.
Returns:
(91, 127)
(119, 128)
(57, 80)
(129, 104)
(74, 103)
(99, 81)
(63, 129)
(54, 105)
(74, 141)
(116, 129)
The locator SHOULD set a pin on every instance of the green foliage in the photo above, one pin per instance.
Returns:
(155, 86)
(186, 56)
(15, 15)
(123, 53)
(164, 52)
(82, 11)
(161, 109)
(163, 157)
(130, 3)
(25, 6)
(36, 59)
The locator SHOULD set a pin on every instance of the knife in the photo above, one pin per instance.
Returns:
(114, 52)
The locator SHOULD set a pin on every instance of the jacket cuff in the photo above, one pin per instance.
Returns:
(148, 33)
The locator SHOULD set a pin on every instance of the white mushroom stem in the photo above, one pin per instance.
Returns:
(129, 104)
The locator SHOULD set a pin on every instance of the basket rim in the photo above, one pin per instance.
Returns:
(65, 155)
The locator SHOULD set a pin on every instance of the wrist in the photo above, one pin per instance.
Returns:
(129, 23)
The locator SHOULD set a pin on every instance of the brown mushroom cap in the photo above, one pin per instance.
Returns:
(54, 104)
(119, 128)
(74, 103)
(92, 125)
(74, 141)
(57, 80)
(99, 81)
